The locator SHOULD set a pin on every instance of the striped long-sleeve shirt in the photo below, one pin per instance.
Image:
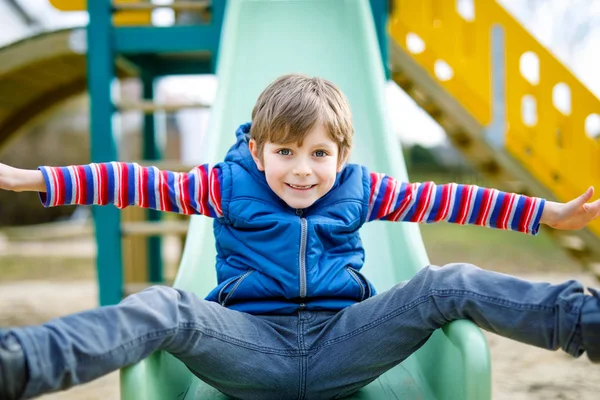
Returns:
(199, 192)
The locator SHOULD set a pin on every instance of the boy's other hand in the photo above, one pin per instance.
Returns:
(19, 180)
(573, 215)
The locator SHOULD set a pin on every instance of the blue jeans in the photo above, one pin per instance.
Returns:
(315, 355)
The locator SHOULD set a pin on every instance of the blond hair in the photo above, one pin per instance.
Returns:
(292, 105)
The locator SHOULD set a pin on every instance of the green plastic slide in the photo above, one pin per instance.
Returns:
(333, 39)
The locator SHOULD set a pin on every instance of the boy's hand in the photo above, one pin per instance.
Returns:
(19, 180)
(573, 215)
(6, 177)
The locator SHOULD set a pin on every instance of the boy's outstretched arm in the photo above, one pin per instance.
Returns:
(121, 184)
(469, 204)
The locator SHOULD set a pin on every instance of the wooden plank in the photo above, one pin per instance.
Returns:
(134, 253)
(151, 107)
(146, 228)
(199, 5)
(166, 165)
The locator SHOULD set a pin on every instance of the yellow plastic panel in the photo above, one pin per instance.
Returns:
(553, 146)
(69, 5)
(121, 18)
(451, 39)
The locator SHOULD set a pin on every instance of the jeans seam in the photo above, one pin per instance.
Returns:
(423, 299)
(241, 343)
(302, 386)
(496, 300)
(302, 360)
(139, 340)
(188, 326)
(373, 324)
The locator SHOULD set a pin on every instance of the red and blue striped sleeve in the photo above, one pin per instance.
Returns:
(129, 184)
(427, 202)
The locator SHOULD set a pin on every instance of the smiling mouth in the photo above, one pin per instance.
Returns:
(300, 187)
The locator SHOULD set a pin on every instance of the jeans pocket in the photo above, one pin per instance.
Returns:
(361, 281)
(229, 289)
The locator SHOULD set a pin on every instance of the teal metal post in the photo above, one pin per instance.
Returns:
(151, 151)
(381, 10)
(218, 13)
(100, 68)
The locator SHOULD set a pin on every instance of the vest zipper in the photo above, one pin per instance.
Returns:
(302, 256)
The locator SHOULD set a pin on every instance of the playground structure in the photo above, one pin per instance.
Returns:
(465, 71)
(518, 114)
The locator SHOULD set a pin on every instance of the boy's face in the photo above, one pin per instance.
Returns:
(300, 175)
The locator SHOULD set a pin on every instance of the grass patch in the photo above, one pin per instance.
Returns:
(503, 251)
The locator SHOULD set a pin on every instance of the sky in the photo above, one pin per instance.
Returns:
(569, 29)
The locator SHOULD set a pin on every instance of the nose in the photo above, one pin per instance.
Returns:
(302, 168)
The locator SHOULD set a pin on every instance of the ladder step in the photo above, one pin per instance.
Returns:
(151, 107)
(147, 228)
(176, 5)
(573, 243)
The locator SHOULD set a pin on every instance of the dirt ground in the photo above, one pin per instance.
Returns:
(520, 372)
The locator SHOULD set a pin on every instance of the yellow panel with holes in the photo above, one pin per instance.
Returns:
(552, 119)
(120, 18)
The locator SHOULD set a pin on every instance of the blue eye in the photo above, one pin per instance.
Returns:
(320, 153)
(284, 152)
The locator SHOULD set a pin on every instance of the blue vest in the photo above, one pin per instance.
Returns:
(274, 259)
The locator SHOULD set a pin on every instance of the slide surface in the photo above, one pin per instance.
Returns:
(334, 39)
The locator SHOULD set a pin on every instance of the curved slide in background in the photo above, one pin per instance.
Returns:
(39, 73)
(334, 39)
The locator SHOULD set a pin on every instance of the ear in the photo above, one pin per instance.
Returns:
(255, 156)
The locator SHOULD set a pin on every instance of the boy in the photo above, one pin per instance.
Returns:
(292, 316)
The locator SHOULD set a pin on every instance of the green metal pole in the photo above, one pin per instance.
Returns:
(152, 151)
(100, 67)
(381, 10)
